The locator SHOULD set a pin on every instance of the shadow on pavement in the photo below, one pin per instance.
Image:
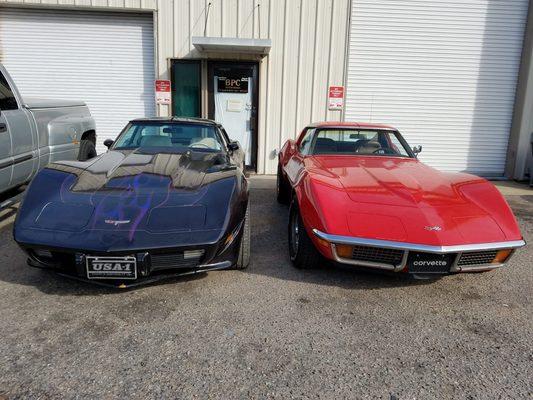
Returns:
(9, 202)
(8, 212)
(13, 269)
(270, 254)
(269, 258)
(522, 206)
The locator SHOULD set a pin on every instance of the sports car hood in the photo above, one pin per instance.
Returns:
(130, 199)
(145, 169)
(393, 181)
(402, 199)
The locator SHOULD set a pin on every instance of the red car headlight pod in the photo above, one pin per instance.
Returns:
(329, 204)
(488, 198)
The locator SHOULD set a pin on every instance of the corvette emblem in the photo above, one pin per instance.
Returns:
(117, 222)
(433, 228)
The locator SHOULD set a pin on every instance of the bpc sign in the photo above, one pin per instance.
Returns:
(336, 97)
(232, 85)
(162, 91)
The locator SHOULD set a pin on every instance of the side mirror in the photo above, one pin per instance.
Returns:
(233, 146)
(108, 143)
(417, 149)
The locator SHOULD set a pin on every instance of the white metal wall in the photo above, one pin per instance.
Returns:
(118, 4)
(309, 40)
(443, 72)
(105, 59)
(308, 51)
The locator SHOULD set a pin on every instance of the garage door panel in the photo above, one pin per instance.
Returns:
(443, 72)
(105, 59)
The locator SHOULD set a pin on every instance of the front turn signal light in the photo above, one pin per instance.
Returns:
(501, 256)
(344, 251)
(322, 242)
(229, 239)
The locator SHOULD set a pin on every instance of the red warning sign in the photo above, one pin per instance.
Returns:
(336, 97)
(162, 91)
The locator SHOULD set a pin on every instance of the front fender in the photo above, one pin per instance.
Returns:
(69, 128)
(488, 198)
(62, 125)
(313, 199)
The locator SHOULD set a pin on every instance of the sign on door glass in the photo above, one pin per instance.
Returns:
(232, 85)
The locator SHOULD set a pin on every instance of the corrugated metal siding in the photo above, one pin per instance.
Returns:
(126, 4)
(104, 59)
(308, 53)
(443, 72)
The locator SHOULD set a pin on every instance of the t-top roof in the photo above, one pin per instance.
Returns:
(353, 125)
(174, 120)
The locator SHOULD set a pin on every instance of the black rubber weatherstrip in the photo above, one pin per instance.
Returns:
(20, 159)
(6, 164)
(17, 160)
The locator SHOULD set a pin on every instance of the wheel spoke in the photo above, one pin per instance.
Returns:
(295, 233)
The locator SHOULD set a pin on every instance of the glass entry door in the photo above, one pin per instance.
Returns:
(186, 88)
(233, 103)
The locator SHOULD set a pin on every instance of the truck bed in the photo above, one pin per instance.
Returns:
(37, 102)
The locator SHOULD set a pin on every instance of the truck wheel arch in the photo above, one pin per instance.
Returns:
(87, 133)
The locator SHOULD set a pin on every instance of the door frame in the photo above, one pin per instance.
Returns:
(211, 64)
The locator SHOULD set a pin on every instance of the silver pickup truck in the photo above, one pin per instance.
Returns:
(35, 132)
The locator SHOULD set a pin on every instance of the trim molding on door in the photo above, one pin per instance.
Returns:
(16, 160)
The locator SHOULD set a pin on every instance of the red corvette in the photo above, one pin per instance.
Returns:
(360, 196)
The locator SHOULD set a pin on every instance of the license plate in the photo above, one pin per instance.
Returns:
(111, 267)
(430, 263)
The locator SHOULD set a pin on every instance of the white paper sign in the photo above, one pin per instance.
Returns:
(234, 105)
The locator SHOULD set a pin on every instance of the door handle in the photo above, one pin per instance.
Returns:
(3, 127)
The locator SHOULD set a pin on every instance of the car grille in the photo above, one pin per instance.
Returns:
(477, 257)
(187, 259)
(53, 258)
(377, 255)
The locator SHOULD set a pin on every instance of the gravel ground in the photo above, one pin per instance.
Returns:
(271, 331)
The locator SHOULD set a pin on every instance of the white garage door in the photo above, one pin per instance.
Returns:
(443, 72)
(105, 59)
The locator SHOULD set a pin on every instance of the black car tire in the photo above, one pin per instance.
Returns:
(243, 259)
(302, 251)
(281, 187)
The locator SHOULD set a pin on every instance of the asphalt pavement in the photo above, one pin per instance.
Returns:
(270, 331)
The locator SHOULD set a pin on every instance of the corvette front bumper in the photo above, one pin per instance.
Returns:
(150, 265)
(403, 257)
(126, 284)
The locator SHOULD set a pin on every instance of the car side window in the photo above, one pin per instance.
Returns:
(7, 98)
(225, 136)
(305, 144)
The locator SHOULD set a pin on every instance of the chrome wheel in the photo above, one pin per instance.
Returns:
(295, 233)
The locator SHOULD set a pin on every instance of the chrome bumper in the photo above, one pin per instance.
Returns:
(407, 247)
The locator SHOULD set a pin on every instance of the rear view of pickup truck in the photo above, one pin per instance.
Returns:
(35, 132)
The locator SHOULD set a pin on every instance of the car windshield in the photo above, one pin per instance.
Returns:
(358, 142)
(174, 136)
